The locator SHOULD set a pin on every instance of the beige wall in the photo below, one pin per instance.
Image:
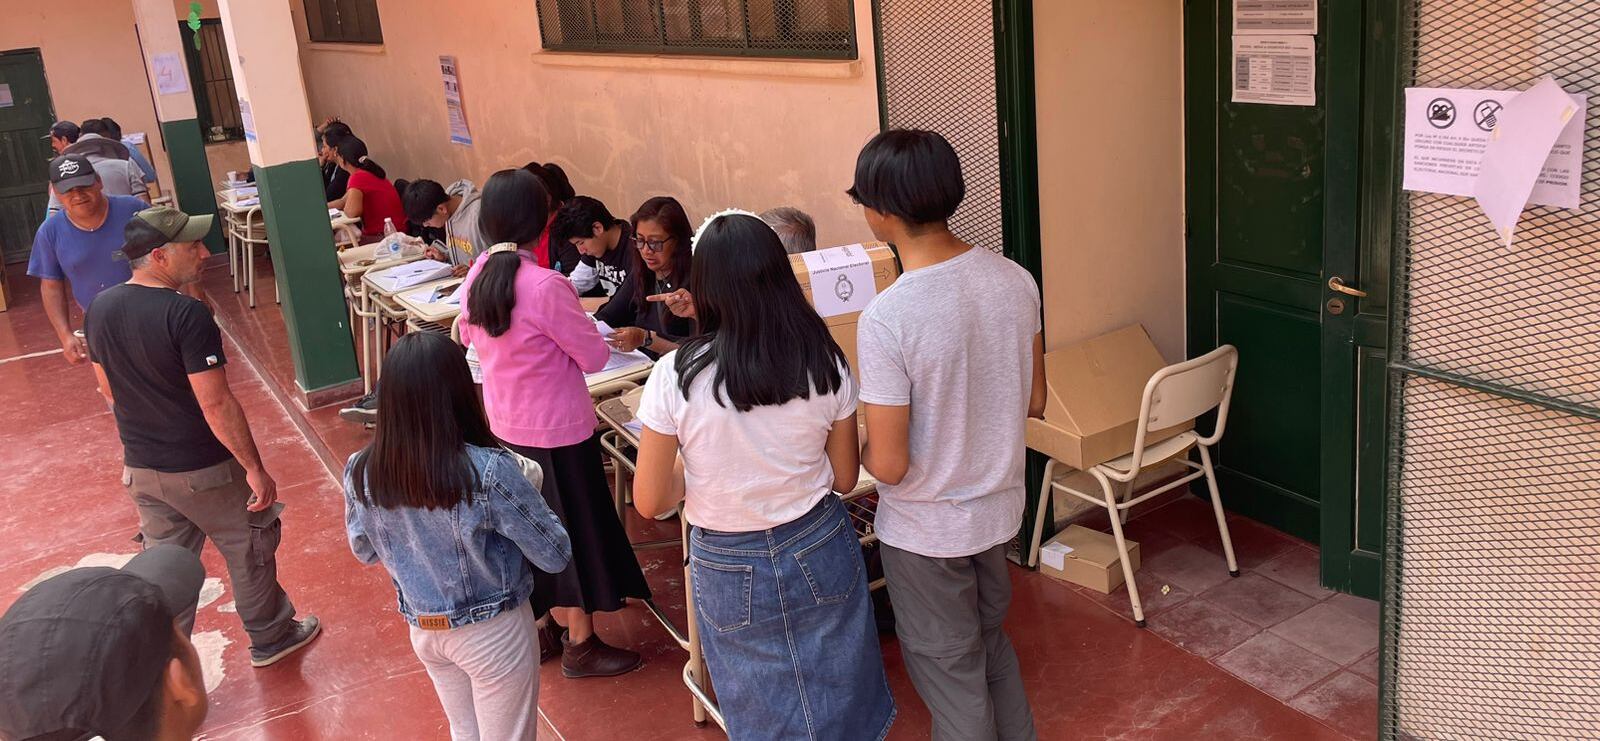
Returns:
(1110, 105)
(719, 133)
(92, 62)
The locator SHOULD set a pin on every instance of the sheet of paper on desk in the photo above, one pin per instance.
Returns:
(1054, 555)
(620, 360)
(635, 426)
(446, 295)
(405, 276)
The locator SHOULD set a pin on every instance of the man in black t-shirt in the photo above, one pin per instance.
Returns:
(190, 463)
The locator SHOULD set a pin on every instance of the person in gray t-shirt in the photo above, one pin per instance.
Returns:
(951, 361)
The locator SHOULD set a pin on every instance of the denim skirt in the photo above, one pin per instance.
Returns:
(786, 622)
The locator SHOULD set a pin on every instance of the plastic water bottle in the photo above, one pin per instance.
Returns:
(391, 242)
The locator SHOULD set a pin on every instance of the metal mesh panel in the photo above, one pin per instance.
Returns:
(1493, 585)
(939, 74)
(788, 28)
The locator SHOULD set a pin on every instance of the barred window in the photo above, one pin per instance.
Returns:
(344, 21)
(816, 29)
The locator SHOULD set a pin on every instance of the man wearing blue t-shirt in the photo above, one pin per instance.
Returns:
(76, 246)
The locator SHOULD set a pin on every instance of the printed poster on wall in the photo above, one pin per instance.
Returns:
(1275, 70)
(169, 71)
(1447, 131)
(452, 102)
(1274, 16)
(247, 120)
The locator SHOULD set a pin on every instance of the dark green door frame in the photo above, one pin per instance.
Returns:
(1017, 121)
(1280, 200)
(1019, 174)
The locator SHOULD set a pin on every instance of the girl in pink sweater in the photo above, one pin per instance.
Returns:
(534, 344)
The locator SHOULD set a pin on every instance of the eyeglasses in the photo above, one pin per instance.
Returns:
(654, 245)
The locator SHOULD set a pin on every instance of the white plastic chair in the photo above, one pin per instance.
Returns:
(1174, 395)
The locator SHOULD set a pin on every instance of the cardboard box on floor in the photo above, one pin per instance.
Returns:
(885, 269)
(1095, 388)
(1093, 561)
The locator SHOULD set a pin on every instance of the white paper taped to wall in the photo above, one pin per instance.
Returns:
(1447, 131)
(1276, 70)
(841, 279)
(1521, 143)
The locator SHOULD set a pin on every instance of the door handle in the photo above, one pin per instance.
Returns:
(1337, 284)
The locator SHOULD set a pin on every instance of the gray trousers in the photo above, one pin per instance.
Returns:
(486, 674)
(948, 614)
(184, 509)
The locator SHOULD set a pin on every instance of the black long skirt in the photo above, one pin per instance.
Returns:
(604, 570)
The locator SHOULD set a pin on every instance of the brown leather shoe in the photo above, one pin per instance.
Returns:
(551, 639)
(593, 658)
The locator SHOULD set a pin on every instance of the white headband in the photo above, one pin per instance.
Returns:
(503, 247)
(730, 212)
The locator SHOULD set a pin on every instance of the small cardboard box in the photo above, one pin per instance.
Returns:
(1093, 561)
(1095, 388)
(885, 269)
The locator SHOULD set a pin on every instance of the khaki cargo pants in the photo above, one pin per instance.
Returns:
(184, 509)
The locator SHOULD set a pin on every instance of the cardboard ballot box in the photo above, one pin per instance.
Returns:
(1095, 388)
(1087, 558)
(843, 273)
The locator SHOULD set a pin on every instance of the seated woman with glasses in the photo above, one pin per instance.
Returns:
(662, 237)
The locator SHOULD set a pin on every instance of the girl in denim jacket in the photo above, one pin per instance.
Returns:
(460, 530)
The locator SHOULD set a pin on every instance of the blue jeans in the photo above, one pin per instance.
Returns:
(786, 623)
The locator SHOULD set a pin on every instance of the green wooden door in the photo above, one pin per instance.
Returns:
(1275, 199)
(25, 117)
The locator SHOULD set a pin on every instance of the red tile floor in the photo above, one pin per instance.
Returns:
(1267, 655)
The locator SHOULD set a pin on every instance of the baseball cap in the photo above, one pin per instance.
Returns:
(64, 129)
(70, 171)
(158, 226)
(84, 650)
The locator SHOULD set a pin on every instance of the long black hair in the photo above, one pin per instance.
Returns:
(354, 151)
(515, 208)
(767, 343)
(431, 412)
(666, 211)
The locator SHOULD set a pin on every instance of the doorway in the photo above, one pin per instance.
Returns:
(25, 118)
(1286, 261)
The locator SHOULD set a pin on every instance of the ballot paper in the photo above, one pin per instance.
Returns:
(1523, 138)
(619, 360)
(443, 295)
(401, 277)
(1054, 555)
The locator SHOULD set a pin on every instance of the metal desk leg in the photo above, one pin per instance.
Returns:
(232, 232)
(366, 340)
(250, 281)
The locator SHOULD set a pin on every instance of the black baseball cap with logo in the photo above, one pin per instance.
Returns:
(159, 226)
(84, 650)
(71, 171)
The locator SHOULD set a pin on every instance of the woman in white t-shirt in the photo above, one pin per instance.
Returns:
(762, 408)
